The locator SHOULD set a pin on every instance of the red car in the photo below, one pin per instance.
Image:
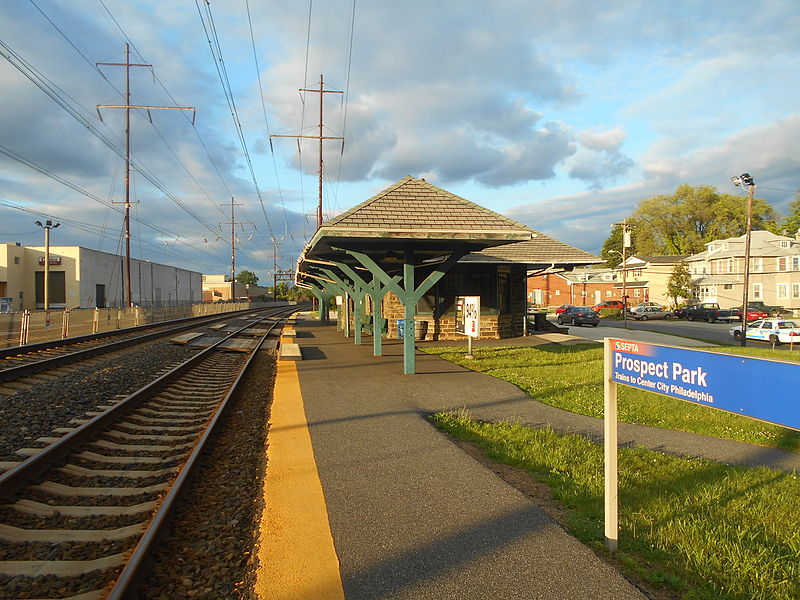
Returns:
(755, 314)
(608, 304)
(562, 308)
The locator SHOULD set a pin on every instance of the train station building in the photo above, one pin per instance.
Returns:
(408, 252)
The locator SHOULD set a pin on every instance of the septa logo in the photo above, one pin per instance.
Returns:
(631, 347)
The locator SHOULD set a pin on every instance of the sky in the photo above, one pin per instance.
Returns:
(561, 114)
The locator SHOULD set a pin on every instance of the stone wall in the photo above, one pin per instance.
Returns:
(444, 327)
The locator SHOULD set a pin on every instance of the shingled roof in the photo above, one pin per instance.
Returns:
(415, 204)
(540, 250)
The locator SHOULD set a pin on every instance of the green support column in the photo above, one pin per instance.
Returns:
(346, 316)
(376, 292)
(377, 325)
(408, 296)
(323, 295)
(357, 292)
(410, 305)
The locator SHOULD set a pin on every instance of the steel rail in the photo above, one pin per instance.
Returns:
(17, 477)
(13, 373)
(129, 577)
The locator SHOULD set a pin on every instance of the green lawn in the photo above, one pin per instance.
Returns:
(705, 530)
(571, 377)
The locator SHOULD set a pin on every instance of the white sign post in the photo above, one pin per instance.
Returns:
(468, 319)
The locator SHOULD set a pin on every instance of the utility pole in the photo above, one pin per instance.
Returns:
(745, 179)
(319, 137)
(626, 243)
(128, 106)
(233, 223)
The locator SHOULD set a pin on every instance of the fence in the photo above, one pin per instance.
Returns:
(28, 327)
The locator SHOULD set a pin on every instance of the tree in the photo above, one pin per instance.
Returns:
(247, 278)
(679, 284)
(685, 221)
(791, 224)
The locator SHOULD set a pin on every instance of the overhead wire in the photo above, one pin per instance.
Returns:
(96, 68)
(209, 27)
(346, 99)
(61, 98)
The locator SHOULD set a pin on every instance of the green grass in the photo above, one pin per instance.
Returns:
(706, 530)
(571, 377)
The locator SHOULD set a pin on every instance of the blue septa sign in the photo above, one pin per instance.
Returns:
(767, 390)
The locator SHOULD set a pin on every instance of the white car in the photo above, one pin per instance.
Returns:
(776, 331)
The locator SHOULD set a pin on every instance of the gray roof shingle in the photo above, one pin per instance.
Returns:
(415, 204)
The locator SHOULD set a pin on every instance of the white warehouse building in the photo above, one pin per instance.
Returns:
(85, 278)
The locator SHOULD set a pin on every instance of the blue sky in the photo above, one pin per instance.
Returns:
(563, 115)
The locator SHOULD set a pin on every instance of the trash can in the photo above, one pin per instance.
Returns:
(420, 330)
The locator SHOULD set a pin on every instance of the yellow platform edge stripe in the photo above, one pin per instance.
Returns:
(297, 557)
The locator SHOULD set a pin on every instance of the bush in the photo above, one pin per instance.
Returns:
(610, 312)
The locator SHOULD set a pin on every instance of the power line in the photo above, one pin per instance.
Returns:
(60, 98)
(264, 111)
(219, 63)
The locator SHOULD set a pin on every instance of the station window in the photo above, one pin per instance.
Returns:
(757, 291)
(16, 260)
(783, 291)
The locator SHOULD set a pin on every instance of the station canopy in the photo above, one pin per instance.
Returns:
(417, 216)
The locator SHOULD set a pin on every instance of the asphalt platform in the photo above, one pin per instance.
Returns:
(414, 517)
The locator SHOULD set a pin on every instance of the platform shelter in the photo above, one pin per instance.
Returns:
(411, 249)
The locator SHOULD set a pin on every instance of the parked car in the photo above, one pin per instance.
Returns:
(776, 331)
(651, 312)
(711, 312)
(642, 305)
(754, 313)
(579, 315)
(775, 311)
(608, 304)
(562, 308)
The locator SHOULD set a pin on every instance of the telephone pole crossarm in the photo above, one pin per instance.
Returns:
(319, 137)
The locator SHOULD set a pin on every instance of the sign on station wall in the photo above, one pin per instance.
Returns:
(468, 315)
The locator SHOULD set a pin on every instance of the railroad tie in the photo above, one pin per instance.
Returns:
(59, 489)
(31, 507)
(60, 568)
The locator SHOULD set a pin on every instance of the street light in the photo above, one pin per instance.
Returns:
(48, 225)
(746, 180)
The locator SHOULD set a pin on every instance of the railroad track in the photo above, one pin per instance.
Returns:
(82, 512)
(24, 361)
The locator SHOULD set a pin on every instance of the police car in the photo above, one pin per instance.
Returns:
(776, 331)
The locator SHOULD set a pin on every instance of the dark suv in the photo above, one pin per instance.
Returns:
(579, 315)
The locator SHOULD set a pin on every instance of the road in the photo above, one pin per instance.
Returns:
(712, 332)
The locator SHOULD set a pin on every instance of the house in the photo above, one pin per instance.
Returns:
(774, 273)
(85, 278)
(579, 287)
(646, 277)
